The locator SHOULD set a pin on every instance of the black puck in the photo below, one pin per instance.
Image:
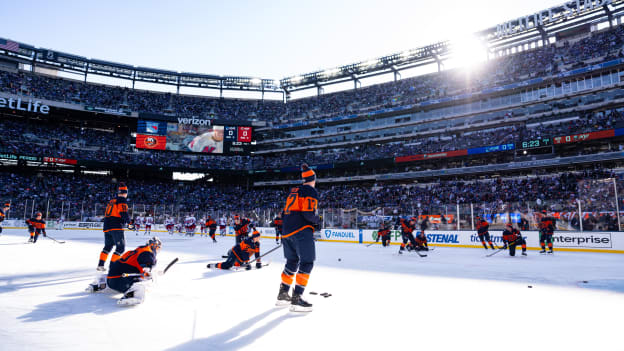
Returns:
(585, 281)
(313, 293)
(530, 286)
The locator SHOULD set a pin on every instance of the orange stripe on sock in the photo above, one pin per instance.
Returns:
(302, 279)
(115, 257)
(103, 256)
(287, 279)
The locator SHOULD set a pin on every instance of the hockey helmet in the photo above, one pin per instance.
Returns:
(154, 243)
(38, 214)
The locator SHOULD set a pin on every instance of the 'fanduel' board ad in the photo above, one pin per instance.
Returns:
(194, 135)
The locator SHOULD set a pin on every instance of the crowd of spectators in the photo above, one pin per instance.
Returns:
(86, 196)
(21, 137)
(540, 61)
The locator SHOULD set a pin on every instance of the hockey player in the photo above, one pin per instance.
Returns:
(546, 229)
(278, 223)
(407, 228)
(300, 220)
(512, 238)
(222, 225)
(169, 224)
(115, 218)
(137, 263)
(149, 220)
(137, 224)
(3, 212)
(59, 223)
(212, 227)
(202, 226)
(384, 234)
(190, 225)
(241, 228)
(240, 254)
(421, 238)
(36, 226)
(484, 234)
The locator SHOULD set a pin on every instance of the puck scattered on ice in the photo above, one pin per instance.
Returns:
(339, 260)
(585, 281)
(313, 293)
(530, 286)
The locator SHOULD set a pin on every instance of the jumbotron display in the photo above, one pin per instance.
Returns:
(194, 135)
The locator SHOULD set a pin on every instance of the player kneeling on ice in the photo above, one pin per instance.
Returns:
(130, 274)
(512, 238)
(239, 254)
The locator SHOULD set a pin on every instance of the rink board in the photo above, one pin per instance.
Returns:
(603, 241)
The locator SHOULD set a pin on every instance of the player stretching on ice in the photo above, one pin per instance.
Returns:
(239, 254)
(3, 212)
(115, 218)
(512, 238)
(300, 219)
(36, 226)
(407, 228)
(137, 263)
(484, 234)
(384, 234)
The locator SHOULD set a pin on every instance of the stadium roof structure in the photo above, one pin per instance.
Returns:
(46, 58)
(537, 28)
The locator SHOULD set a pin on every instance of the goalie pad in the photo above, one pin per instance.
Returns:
(135, 295)
(98, 284)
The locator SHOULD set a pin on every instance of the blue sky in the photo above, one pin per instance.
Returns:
(268, 39)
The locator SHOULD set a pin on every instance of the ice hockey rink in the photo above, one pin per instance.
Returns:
(453, 299)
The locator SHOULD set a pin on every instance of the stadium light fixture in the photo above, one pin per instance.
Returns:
(255, 81)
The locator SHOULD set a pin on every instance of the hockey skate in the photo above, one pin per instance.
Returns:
(298, 304)
(100, 269)
(283, 299)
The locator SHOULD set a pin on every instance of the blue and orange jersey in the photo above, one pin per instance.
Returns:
(2, 215)
(383, 231)
(406, 227)
(300, 210)
(133, 262)
(211, 223)
(34, 223)
(242, 228)
(116, 214)
(511, 235)
(482, 226)
(245, 249)
(547, 224)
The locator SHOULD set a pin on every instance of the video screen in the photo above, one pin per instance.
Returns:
(189, 137)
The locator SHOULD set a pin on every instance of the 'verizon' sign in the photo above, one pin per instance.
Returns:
(29, 105)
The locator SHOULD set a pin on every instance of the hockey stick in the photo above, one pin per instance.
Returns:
(58, 241)
(257, 258)
(125, 275)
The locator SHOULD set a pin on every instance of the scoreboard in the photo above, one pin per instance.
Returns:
(195, 135)
(534, 144)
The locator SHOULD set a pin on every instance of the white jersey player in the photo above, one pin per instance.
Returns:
(138, 222)
(209, 142)
(189, 225)
(169, 224)
(222, 225)
(149, 220)
(202, 226)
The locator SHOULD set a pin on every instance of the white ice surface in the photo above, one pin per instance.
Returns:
(454, 299)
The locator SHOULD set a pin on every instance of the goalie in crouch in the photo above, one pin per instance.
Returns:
(138, 264)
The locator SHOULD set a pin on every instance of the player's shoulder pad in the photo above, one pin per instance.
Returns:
(306, 190)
